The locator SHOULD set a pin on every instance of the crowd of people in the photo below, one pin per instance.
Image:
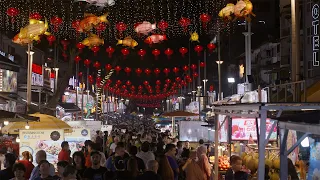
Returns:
(122, 156)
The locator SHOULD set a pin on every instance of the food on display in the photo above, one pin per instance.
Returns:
(274, 176)
(224, 163)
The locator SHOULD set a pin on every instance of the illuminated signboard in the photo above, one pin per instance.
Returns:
(315, 35)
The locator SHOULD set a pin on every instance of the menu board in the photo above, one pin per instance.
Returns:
(77, 138)
(243, 128)
(314, 166)
(47, 140)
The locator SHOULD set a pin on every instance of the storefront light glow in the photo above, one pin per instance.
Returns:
(5, 123)
(27, 126)
(17, 139)
(305, 142)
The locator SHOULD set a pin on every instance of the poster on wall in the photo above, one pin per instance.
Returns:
(314, 162)
(9, 81)
(77, 138)
(223, 133)
(243, 128)
(193, 131)
(47, 140)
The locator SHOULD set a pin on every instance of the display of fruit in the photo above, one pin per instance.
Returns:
(224, 163)
(276, 163)
(274, 176)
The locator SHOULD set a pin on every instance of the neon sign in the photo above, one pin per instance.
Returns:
(315, 35)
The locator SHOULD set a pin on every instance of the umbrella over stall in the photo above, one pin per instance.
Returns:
(175, 114)
(45, 122)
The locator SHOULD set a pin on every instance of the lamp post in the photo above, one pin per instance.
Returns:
(231, 80)
(219, 62)
(56, 78)
(204, 87)
(29, 75)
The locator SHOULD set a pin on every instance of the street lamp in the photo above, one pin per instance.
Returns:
(231, 81)
(29, 75)
(204, 86)
(56, 79)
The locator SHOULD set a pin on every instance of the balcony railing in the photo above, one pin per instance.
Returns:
(288, 92)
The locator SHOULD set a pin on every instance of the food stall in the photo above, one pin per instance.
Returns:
(263, 111)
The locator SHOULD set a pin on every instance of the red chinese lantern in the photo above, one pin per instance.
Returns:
(56, 22)
(35, 15)
(166, 71)
(87, 63)
(95, 50)
(147, 71)
(128, 83)
(178, 79)
(142, 53)
(211, 47)
(175, 70)
(198, 49)
(118, 82)
(168, 52)
(211, 88)
(77, 59)
(163, 25)
(117, 68)
(108, 67)
(127, 70)
(76, 26)
(51, 39)
(195, 74)
(110, 51)
(121, 27)
(101, 27)
(97, 65)
(125, 52)
(12, 12)
(80, 74)
(98, 80)
(158, 82)
(80, 46)
(193, 67)
(185, 68)
(65, 44)
(146, 83)
(138, 71)
(168, 81)
(91, 79)
(184, 22)
(156, 71)
(156, 53)
(202, 64)
(65, 56)
(183, 51)
(205, 19)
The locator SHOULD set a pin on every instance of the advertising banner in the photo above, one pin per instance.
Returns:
(77, 138)
(47, 140)
(314, 166)
(243, 128)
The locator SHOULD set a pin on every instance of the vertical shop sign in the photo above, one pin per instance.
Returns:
(315, 35)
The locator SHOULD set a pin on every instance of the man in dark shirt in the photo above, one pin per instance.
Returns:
(95, 172)
(151, 173)
(7, 173)
(235, 173)
(133, 150)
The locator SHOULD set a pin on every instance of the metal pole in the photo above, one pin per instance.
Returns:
(295, 52)
(87, 85)
(199, 74)
(219, 65)
(29, 76)
(249, 53)
(216, 145)
(77, 82)
(262, 139)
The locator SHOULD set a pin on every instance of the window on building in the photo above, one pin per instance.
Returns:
(11, 50)
(278, 48)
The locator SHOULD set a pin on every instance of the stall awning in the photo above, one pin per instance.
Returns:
(7, 64)
(70, 107)
(14, 117)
